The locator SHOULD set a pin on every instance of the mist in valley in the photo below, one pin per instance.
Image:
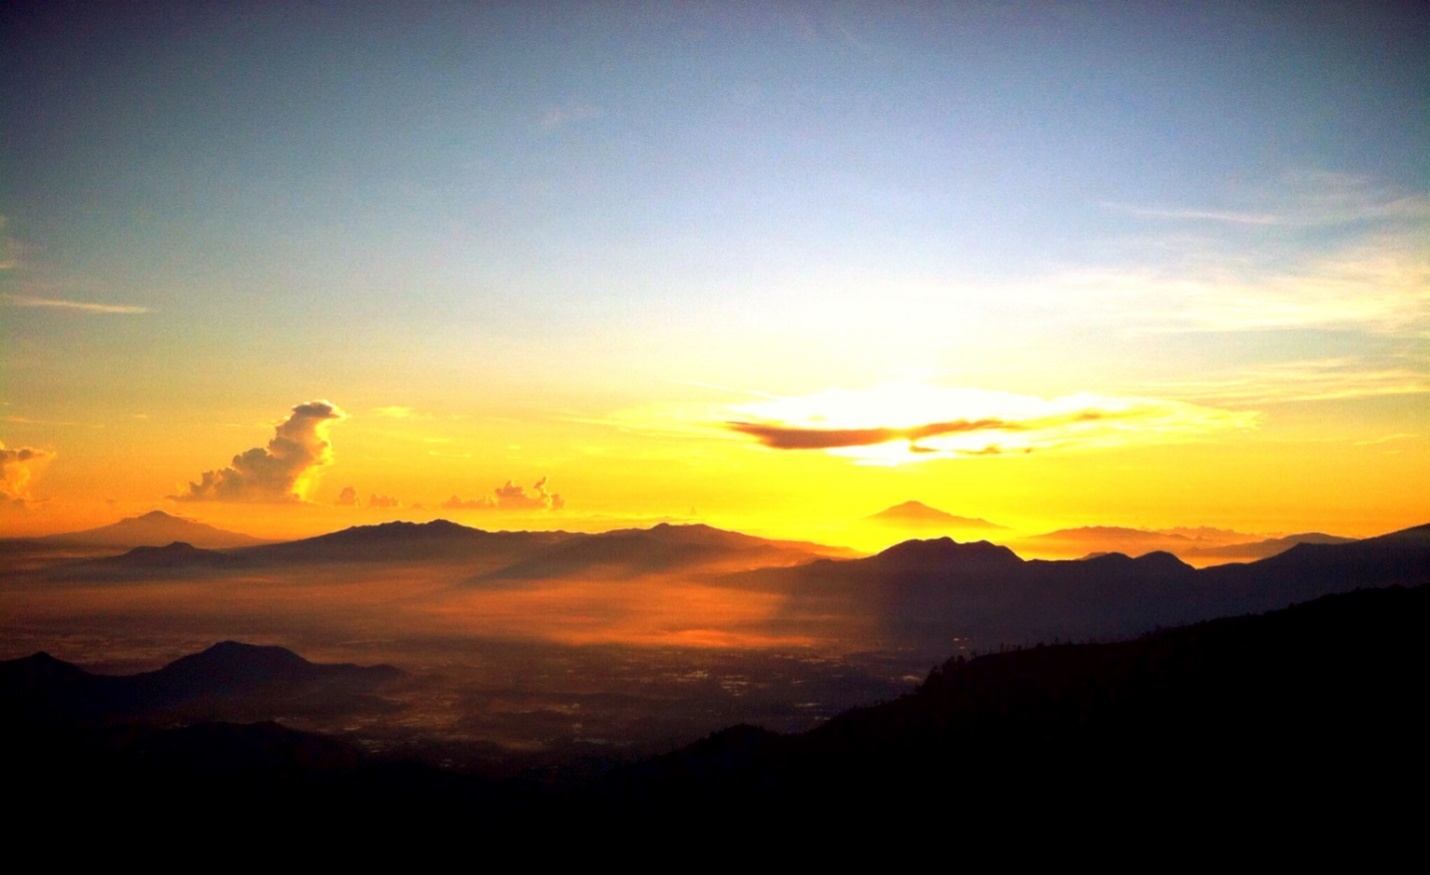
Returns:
(497, 674)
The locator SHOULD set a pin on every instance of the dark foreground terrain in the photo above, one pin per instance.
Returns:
(1306, 723)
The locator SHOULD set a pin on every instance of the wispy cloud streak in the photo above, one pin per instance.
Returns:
(82, 306)
(1301, 381)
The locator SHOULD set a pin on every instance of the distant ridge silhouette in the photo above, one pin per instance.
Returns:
(155, 529)
(1264, 549)
(916, 514)
(926, 594)
(661, 548)
(437, 540)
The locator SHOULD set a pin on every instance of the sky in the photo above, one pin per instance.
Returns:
(768, 266)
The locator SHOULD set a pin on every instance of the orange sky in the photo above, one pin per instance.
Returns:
(769, 269)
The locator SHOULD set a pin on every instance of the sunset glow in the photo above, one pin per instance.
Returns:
(462, 423)
(771, 269)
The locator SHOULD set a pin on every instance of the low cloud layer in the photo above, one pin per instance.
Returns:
(511, 497)
(18, 467)
(281, 472)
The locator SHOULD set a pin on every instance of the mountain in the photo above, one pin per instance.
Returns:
(1202, 545)
(942, 554)
(154, 529)
(1263, 549)
(662, 548)
(930, 595)
(1091, 540)
(435, 541)
(917, 515)
(229, 678)
(1309, 570)
(488, 555)
(145, 562)
(1104, 534)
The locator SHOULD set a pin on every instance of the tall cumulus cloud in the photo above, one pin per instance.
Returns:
(17, 468)
(283, 471)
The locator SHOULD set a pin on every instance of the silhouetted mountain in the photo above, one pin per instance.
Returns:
(228, 678)
(916, 514)
(941, 554)
(928, 594)
(1211, 534)
(1307, 571)
(438, 540)
(154, 529)
(1265, 548)
(146, 562)
(1202, 545)
(664, 547)
(1118, 536)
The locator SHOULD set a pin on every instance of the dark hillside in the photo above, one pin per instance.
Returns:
(1297, 711)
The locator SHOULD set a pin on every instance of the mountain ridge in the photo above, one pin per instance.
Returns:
(154, 529)
(916, 514)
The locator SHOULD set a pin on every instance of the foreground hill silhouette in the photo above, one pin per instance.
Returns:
(1310, 715)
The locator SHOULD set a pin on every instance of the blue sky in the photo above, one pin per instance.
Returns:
(536, 210)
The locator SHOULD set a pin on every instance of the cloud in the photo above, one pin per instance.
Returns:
(457, 503)
(511, 497)
(84, 306)
(561, 116)
(283, 471)
(18, 467)
(1380, 285)
(1300, 200)
(782, 437)
(1329, 379)
(1308, 250)
(901, 422)
(1200, 215)
(349, 498)
(1385, 439)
